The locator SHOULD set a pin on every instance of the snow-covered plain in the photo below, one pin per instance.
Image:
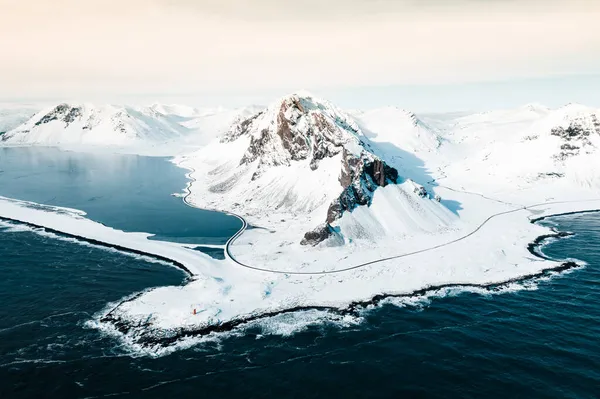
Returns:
(458, 213)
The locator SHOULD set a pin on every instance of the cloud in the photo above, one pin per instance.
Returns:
(175, 46)
(318, 9)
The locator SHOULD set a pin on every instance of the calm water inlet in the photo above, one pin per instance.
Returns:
(127, 192)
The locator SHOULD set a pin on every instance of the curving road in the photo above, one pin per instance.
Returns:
(361, 265)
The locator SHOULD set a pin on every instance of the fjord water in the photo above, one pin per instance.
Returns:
(127, 192)
(522, 343)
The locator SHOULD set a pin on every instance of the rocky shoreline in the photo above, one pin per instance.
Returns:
(144, 334)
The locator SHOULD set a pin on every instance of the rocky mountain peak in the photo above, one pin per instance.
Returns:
(302, 129)
(295, 128)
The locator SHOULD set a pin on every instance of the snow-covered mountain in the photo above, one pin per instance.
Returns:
(87, 124)
(576, 128)
(156, 129)
(513, 149)
(303, 157)
(567, 144)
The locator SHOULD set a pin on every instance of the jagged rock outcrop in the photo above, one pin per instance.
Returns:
(576, 135)
(360, 177)
(62, 112)
(318, 235)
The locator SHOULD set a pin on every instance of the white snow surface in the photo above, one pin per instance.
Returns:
(493, 172)
(399, 127)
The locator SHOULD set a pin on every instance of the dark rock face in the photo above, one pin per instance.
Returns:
(550, 175)
(572, 132)
(381, 173)
(360, 178)
(295, 144)
(569, 147)
(62, 112)
(317, 235)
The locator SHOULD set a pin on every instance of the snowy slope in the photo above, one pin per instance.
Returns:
(504, 150)
(210, 124)
(567, 142)
(400, 128)
(13, 115)
(402, 139)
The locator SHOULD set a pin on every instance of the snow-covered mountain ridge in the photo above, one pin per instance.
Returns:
(159, 129)
(96, 125)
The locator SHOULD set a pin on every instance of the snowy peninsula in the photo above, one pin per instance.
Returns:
(340, 210)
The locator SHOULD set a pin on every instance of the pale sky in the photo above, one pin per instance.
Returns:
(85, 48)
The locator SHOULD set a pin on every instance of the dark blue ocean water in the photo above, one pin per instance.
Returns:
(530, 343)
